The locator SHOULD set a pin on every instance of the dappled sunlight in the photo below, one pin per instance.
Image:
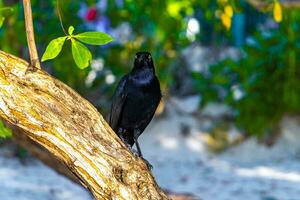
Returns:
(268, 173)
(7, 172)
(35, 181)
(195, 144)
(182, 161)
(193, 28)
(168, 142)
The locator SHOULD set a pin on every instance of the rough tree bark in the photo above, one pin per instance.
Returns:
(21, 139)
(67, 125)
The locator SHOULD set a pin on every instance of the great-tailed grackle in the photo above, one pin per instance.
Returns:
(135, 101)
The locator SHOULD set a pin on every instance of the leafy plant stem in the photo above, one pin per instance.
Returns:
(60, 18)
(34, 58)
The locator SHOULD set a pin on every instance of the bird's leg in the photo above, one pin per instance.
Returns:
(121, 135)
(136, 134)
(135, 137)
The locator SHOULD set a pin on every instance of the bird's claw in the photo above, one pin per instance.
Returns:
(150, 167)
(136, 154)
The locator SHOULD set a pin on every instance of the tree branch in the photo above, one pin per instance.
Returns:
(68, 126)
(34, 58)
(41, 153)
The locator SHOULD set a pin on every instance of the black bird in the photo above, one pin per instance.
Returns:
(135, 101)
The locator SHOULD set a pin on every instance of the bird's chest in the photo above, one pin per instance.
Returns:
(141, 95)
(139, 108)
(141, 98)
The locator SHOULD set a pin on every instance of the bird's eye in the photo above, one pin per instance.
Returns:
(149, 57)
(136, 57)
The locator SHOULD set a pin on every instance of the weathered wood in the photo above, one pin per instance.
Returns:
(42, 154)
(67, 125)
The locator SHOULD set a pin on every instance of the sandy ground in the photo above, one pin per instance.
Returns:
(247, 171)
(181, 163)
(34, 181)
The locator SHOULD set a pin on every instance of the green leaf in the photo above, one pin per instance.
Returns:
(94, 38)
(70, 30)
(1, 21)
(81, 54)
(4, 132)
(3, 9)
(53, 48)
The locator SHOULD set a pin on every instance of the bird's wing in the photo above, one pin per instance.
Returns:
(118, 104)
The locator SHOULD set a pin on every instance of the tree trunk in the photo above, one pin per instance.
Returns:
(67, 125)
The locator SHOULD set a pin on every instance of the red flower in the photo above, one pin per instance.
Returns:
(91, 14)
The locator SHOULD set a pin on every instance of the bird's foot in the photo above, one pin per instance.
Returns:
(136, 154)
(150, 167)
(127, 145)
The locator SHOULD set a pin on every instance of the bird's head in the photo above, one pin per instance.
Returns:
(143, 60)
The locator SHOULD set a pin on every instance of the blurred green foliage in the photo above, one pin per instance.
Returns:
(265, 77)
(3, 12)
(47, 27)
(264, 85)
(156, 26)
(4, 132)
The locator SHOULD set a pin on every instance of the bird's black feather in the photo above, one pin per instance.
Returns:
(135, 100)
(117, 104)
